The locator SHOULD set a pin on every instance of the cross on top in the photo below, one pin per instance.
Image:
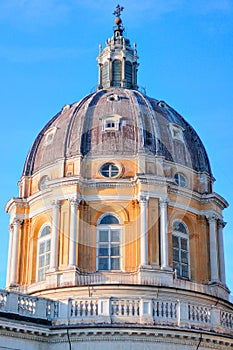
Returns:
(118, 11)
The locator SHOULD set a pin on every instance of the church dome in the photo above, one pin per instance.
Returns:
(117, 121)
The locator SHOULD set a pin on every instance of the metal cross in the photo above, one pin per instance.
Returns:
(118, 11)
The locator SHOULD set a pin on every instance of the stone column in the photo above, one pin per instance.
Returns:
(163, 234)
(221, 225)
(14, 251)
(214, 275)
(100, 77)
(56, 204)
(9, 255)
(73, 231)
(143, 231)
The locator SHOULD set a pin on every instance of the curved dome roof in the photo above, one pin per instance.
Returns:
(117, 121)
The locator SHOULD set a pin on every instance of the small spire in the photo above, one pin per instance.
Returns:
(118, 29)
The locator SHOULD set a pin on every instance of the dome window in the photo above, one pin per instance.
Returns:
(180, 180)
(44, 251)
(43, 183)
(49, 135)
(113, 98)
(162, 104)
(176, 131)
(111, 123)
(109, 170)
(180, 250)
(108, 243)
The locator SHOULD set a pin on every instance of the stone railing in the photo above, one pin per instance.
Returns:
(160, 311)
(26, 305)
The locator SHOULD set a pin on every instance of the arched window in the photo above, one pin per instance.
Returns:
(108, 243)
(180, 249)
(44, 243)
(116, 73)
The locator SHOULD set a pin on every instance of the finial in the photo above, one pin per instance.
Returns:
(117, 13)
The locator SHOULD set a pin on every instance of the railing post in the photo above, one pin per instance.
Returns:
(146, 311)
(12, 303)
(182, 314)
(215, 318)
(104, 309)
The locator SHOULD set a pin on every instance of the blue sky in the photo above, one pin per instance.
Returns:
(48, 52)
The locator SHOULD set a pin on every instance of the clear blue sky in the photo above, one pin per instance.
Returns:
(48, 52)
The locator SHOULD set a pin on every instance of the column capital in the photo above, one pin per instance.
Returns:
(56, 203)
(16, 222)
(163, 202)
(212, 217)
(221, 223)
(74, 201)
(143, 199)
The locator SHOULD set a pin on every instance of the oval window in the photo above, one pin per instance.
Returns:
(109, 170)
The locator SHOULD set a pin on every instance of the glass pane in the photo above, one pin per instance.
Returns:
(114, 170)
(103, 250)
(40, 275)
(45, 231)
(115, 250)
(103, 264)
(41, 261)
(47, 259)
(175, 241)
(179, 226)
(103, 236)
(115, 263)
(47, 243)
(176, 267)
(185, 272)
(42, 248)
(115, 236)
(184, 257)
(184, 244)
(109, 220)
(175, 254)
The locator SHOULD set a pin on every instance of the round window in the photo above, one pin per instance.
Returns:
(43, 182)
(180, 180)
(109, 170)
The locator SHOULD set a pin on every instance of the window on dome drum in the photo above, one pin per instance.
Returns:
(180, 180)
(108, 244)
(43, 256)
(42, 185)
(116, 73)
(180, 250)
(109, 170)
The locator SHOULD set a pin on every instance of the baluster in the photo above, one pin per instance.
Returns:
(131, 308)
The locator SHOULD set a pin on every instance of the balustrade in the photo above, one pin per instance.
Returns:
(160, 311)
(226, 319)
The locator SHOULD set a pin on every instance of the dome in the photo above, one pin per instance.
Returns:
(117, 121)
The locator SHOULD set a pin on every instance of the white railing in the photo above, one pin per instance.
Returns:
(26, 305)
(119, 310)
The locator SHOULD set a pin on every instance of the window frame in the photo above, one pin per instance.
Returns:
(109, 228)
(43, 239)
(110, 164)
(181, 235)
(181, 181)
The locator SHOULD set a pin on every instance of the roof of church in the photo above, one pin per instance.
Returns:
(117, 119)
(145, 125)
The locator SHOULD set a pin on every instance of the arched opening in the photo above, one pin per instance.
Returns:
(43, 252)
(180, 250)
(109, 232)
